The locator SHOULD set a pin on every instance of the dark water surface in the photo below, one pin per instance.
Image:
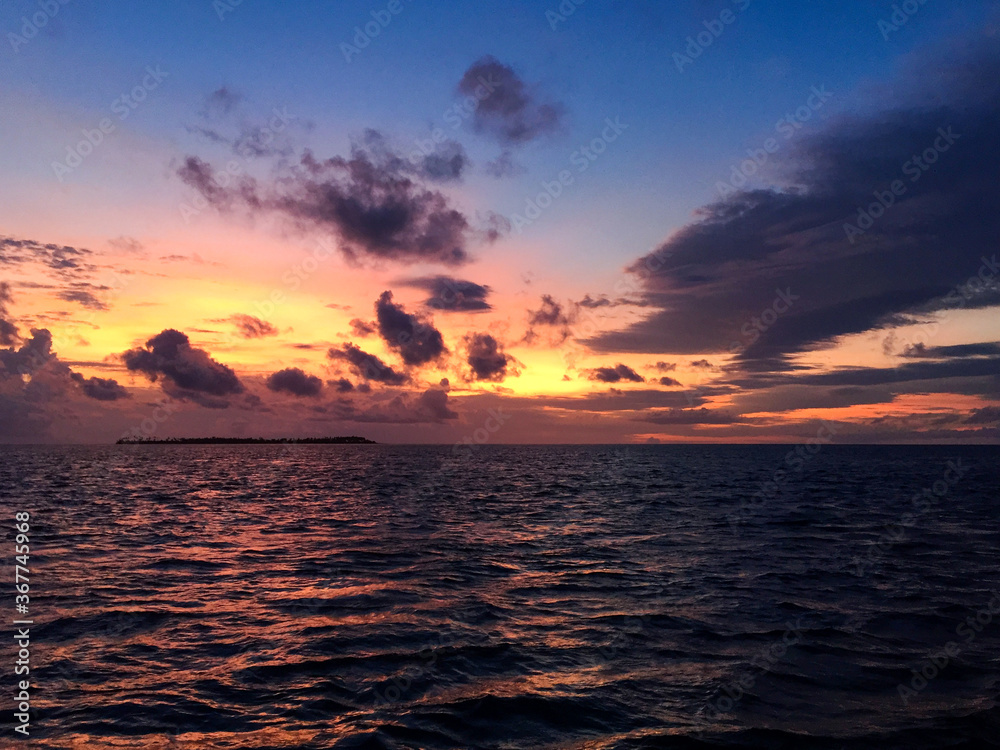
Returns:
(523, 597)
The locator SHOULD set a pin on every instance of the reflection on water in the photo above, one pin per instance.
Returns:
(559, 597)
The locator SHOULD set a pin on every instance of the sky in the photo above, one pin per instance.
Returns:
(541, 222)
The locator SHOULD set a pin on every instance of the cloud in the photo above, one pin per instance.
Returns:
(592, 304)
(485, 358)
(549, 314)
(36, 388)
(494, 227)
(222, 101)
(431, 406)
(294, 381)
(445, 162)
(615, 374)
(416, 339)
(362, 328)
(101, 389)
(503, 166)
(185, 372)
(367, 366)
(8, 330)
(342, 385)
(63, 260)
(126, 244)
(986, 415)
(82, 296)
(376, 209)
(689, 416)
(250, 327)
(668, 381)
(507, 109)
(434, 404)
(787, 247)
(452, 295)
(31, 357)
(922, 351)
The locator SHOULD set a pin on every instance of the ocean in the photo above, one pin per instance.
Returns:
(543, 597)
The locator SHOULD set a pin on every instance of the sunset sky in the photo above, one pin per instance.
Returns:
(637, 221)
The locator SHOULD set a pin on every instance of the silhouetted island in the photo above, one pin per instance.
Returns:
(351, 440)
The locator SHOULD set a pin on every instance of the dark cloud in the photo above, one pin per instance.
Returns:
(416, 339)
(434, 404)
(787, 249)
(431, 406)
(101, 389)
(592, 304)
(368, 366)
(294, 381)
(446, 164)
(250, 327)
(201, 176)
(37, 388)
(662, 366)
(363, 328)
(689, 416)
(615, 374)
(61, 258)
(668, 381)
(965, 367)
(701, 364)
(452, 295)
(446, 161)
(507, 109)
(82, 296)
(549, 314)
(342, 385)
(922, 351)
(987, 415)
(184, 372)
(486, 358)
(8, 330)
(31, 357)
(375, 208)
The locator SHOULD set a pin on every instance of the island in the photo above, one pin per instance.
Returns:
(351, 440)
